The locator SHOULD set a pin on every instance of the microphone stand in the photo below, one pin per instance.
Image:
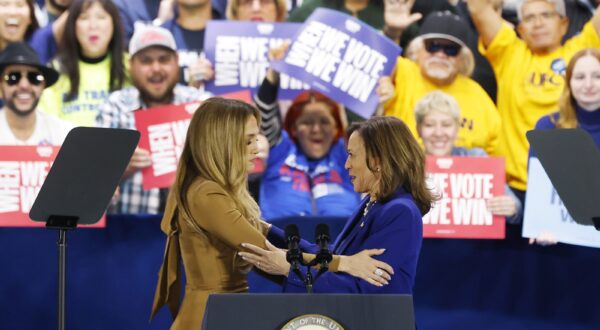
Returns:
(309, 281)
(295, 258)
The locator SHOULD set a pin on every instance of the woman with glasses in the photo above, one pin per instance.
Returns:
(92, 62)
(305, 173)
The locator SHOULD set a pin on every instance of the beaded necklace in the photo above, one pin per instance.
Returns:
(370, 204)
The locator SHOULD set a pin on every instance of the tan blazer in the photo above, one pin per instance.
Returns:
(210, 259)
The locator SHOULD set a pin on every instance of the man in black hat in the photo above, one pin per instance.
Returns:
(440, 60)
(23, 79)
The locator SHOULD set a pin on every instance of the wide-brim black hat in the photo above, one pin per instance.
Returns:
(445, 25)
(21, 53)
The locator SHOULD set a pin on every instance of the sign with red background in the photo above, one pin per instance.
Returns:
(465, 184)
(163, 130)
(23, 170)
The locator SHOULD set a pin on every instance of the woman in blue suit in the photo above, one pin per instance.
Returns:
(387, 165)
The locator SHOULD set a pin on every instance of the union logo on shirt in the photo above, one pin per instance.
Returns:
(466, 123)
(553, 77)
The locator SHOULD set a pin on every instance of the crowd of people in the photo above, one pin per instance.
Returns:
(471, 81)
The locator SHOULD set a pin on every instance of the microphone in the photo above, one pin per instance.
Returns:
(292, 237)
(324, 256)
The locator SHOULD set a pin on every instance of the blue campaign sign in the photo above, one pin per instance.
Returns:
(341, 57)
(239, 54)
(545, 212)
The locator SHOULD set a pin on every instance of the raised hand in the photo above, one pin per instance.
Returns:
(397, 17)
(476, 6)
(275, 54)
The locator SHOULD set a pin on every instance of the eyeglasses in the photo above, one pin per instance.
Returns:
(310, 122)
(545, 16)
(34, 77)
(434, 46)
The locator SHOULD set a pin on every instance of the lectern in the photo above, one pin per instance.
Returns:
(280, 311)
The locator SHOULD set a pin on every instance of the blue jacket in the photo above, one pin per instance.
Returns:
(293, 185)
(396, 226)
(586, 120)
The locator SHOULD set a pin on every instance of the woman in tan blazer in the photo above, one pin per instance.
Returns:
(210, 213)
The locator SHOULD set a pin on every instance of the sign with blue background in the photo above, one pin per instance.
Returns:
(239, 54)
(341, 57)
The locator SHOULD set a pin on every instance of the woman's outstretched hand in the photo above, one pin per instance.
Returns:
(364, 266)
(272, 260)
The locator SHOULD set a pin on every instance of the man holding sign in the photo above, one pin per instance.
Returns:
(154, 70)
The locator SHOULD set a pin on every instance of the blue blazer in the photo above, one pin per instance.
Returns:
(396, 226)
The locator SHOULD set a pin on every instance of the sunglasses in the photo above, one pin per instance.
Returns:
(34, 77)
(434, 46)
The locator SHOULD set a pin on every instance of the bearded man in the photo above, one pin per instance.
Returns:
(23, 79)
(440, 60)
(154, 70)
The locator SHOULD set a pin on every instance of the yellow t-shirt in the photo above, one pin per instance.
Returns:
(94, 85)
(480, 122)
(529, 87)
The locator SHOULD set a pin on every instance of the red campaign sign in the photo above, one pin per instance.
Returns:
(163, 130)
(23, 170)
(465, 183)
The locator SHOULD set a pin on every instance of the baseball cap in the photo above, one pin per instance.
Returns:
(445, 25)
(146, 36)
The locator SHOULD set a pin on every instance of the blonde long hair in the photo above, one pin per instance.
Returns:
(567, 117)
(215, 149)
